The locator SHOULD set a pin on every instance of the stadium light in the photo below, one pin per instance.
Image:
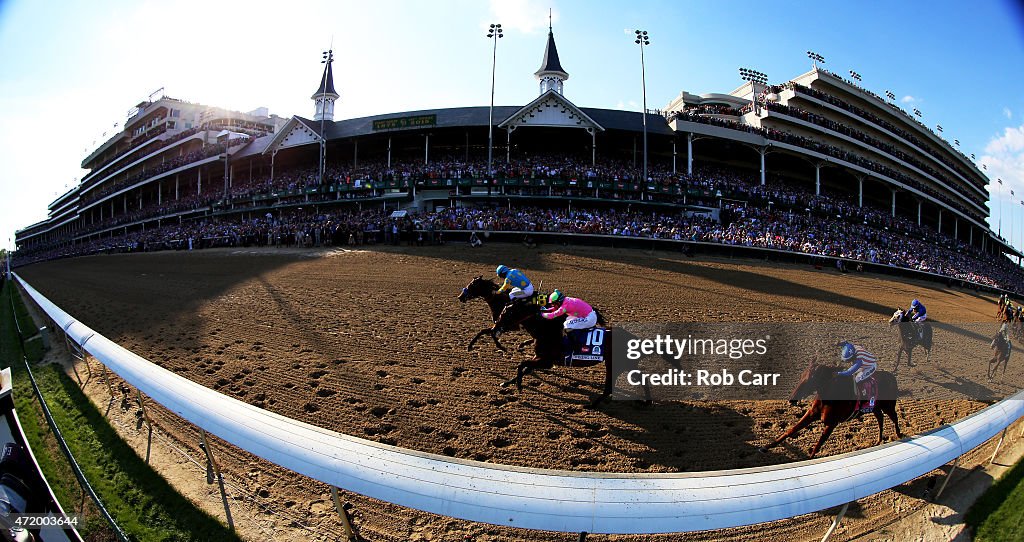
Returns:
(917, 112)
(999, 187)
(754, 77)
(815, 59)
(939, 128)
(642, 40)
(889, 94)
(493, 33)
(956, 142)
(327, 59)
(855, 75)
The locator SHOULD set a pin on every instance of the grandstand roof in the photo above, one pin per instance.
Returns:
(478, 116)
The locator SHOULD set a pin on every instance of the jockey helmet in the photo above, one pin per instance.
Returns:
(847, 351)
(915, 303)
(502, 271)
(556, 297)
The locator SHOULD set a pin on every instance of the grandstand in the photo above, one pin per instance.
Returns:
(813, 146)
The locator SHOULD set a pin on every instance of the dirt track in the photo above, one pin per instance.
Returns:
(372, 343)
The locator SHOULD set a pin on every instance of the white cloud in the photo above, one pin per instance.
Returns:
(1011, 142)
(1004, 159)
(527, 16)
(908, 99)
(1007, 112)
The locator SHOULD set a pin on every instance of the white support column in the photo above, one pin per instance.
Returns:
(972, 236)
(763, 151)
(674, 156)
(956, 228)
(940, 220)
(593, 147)
(689, 153)
(273, 155)
(426, 149)
(893, 202)
(389, 148)
(918, 212)
(199, 183)
(817, 179)
(160, 193)
(508, 145)
(860, 191)
(177, 194)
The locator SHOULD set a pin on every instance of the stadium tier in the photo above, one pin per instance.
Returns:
(787, 166)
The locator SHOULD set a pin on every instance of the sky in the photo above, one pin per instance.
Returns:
(70, 70)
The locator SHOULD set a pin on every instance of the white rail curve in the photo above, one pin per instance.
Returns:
(544, 499)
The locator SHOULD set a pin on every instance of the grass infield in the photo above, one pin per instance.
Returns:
(140, 500)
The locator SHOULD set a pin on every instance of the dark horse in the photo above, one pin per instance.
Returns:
(548, 348)
(910, 338)
(487, 290)
(1001, 350)
(836, 402)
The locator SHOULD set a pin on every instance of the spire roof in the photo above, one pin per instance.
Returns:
(550, 62)
(328, 80)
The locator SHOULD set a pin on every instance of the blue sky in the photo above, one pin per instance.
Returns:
(68, 72)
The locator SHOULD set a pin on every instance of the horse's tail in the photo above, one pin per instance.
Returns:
(600, 318)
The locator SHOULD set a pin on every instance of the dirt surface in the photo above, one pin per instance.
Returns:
(372, 343)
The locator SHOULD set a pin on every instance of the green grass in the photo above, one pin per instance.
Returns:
(140, 500)
(998, 516)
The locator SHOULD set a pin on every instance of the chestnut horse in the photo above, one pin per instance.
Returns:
(835, 402)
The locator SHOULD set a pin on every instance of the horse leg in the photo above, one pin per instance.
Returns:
(522, 346)
(881, 422)
(826, 431)
(477, 337)
(890, 410)
(497, 343)
(609, 382)
(808, 419)
(910, 353)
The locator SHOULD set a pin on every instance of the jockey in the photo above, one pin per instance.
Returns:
(918, 314)
(516, 281)
(581, 316)
(863, 366)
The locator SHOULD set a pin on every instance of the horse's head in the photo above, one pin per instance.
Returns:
(514, 314)
(811, 380)
(477, 287)
(899, 316)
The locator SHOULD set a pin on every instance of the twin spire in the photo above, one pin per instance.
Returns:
(551, 77)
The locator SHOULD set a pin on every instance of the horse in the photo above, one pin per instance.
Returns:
(835, 402)
(1001, 350)
(548, 348)
(910, 338)
(487, 290)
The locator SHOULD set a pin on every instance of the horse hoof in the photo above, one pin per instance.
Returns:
(763, 450)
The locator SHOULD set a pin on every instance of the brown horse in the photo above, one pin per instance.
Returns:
(910, 338)
(1001, 350)
(487, 290)
(835, 402)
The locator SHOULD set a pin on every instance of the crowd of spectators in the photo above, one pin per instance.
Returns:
(865, 138)
(829, 150)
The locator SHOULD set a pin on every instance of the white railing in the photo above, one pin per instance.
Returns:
(543, 499)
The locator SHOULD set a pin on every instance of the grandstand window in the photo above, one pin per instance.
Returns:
(170, 125)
